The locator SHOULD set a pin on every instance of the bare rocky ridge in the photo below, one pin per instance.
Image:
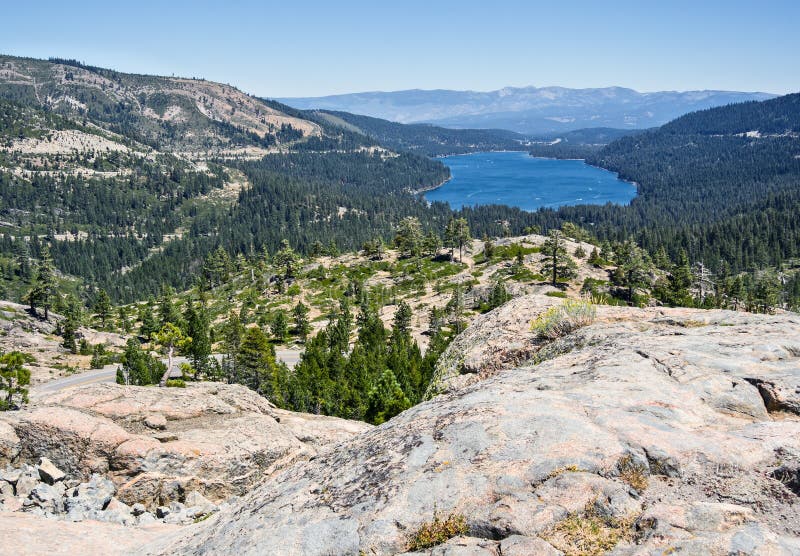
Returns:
(202, 111)
(678, 428)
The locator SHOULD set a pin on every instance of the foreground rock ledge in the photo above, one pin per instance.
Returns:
(158, 444)
(670, 398)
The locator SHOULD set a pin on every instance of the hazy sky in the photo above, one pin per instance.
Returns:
(307, 48)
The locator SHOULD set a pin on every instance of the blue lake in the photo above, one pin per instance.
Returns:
(519, 180)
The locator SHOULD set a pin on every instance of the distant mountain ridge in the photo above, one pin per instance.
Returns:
(528, 110)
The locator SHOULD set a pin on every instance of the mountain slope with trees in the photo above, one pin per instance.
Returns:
(428, 139)
(190, 115)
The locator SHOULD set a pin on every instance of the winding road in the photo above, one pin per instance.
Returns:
(109, 373)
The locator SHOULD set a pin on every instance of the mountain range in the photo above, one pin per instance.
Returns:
(528, 110)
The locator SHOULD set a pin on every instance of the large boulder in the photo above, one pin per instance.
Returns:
(646, 425)
(9, 444)
(48, 472)
(219, 440)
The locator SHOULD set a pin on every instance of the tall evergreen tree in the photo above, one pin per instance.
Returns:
(408, 238)
(557, 263)
(301, 325)
(102, 307)
(257, 366)
(167, 311)
(149, 324)
(71, 323)
(43, 292)
(198, 329)
(633, 268)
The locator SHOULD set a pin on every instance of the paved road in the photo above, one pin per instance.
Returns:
(109, 373)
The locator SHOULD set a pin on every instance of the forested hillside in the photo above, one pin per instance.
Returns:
(722, 184)
(131, 181)
(130, 194)
(577, 144)
(427, 139)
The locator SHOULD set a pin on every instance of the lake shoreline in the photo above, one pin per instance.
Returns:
(635, 184)
(430, 188)
(529, 183)
(438, 156)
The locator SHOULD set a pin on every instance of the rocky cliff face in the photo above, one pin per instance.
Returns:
(648, 432)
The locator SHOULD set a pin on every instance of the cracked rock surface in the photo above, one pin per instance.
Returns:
(651, 420)
(217, 439)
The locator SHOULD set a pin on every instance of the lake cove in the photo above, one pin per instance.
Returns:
(519, 180)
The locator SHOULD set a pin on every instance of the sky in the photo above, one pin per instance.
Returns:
(314, 48)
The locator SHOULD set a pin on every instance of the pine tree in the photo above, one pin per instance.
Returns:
(14, 378)
(22, 258)
(279, 326)
(386, 399)
(633, 268)
(233, 331)
(198, 328)
(217, 267)
(680, 281)
(556, 263)
(137, 367)
(286, 261)
(301, 325)
(149, 324)
(402, 319)
(167, 312)
(71, 323)
(431, 244)
(488, 248)
(102, 307)
(123, 317)
(43, 292)
(498, 295)
(408, 238)
(456, 307)
(257, 366)
(595, 259)
(457, 234)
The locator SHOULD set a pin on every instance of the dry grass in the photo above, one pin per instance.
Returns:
(632, 473)
(561, 470)
(438, 531)
(559, 321)
(589, 534)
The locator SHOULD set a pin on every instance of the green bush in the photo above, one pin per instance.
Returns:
(562, 295)
(438, 531)
(176, 383)
(559, 321)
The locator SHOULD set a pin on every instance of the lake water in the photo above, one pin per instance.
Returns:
(519, 180)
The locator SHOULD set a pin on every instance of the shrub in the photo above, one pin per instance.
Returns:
(562, 295)
(176, 383)
(559, 321)
(589, 534)
(632, 473)
(438, 531)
